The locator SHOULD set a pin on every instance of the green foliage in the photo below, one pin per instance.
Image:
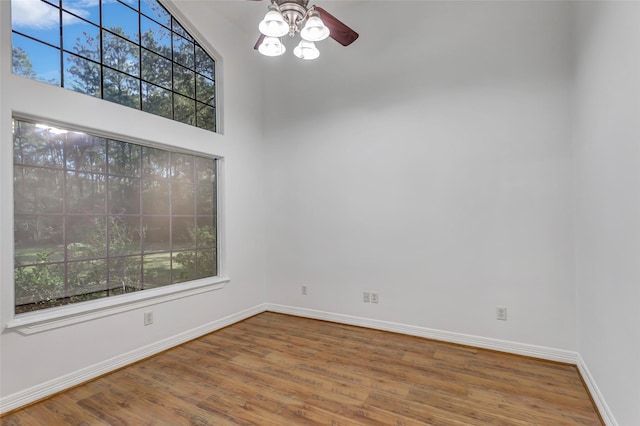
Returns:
(199, 263)
(123, 56)
(42, 282)
(22, 63)
(158, 74)
(122, 239)
(79, 233)
(87, 73)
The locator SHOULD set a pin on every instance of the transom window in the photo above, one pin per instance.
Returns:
(96, 217)
(132, 52)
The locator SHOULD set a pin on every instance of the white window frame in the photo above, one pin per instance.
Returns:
(43, 108)
(51, 318)
(198, 41)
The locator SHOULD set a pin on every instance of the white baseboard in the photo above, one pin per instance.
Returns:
(36, 393)
(51, 387)
(603, 407)
(542, 352)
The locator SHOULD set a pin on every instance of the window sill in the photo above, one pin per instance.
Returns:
(37, 322)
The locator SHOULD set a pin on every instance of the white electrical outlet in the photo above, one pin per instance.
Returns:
(148, 318)
(366, 297)
(304, 290)
(501, 313)
(374, 297)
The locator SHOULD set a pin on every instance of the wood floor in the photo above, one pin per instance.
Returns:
(274, 369)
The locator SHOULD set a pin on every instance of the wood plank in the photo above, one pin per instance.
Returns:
(275, 369)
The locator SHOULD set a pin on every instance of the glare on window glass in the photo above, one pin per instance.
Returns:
(97, 217)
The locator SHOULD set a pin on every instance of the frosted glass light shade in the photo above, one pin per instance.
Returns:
(314, 29)
(306, 50)
(271, 46)
(273, 24)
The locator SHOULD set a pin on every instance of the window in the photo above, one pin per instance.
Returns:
(132, 52)
(96, 217)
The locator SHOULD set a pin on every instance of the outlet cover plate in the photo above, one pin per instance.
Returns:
(501, 313)
(148, 318)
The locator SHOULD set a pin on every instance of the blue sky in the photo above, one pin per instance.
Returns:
(41, 20)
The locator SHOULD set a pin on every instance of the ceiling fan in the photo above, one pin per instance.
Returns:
(312, 22)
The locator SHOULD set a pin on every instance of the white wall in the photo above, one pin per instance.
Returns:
(28, 362)
(607, 175)
(431, 162)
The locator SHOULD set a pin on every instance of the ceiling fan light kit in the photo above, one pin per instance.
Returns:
(271, 46)
(293, 16)
(273, 24)
(306, 50)
(314, 29)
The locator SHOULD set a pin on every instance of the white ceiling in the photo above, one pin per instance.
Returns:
(245, 14)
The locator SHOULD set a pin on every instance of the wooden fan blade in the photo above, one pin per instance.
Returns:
(259, 42)
(339, 31)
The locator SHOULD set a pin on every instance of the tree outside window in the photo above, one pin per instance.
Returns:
(140, 57)
(96, 217)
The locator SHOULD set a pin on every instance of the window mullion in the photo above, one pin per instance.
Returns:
(83, 77)
(65, 241)
(61, 48)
